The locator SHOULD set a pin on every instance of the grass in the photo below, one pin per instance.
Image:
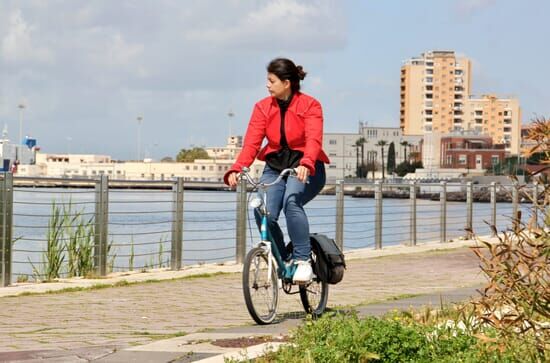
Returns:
(121, 283)
(69, 244)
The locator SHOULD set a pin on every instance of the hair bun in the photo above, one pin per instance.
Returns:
(301, 72)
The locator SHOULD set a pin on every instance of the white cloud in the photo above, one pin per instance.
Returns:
(470, 7)
(91, 67)
(118, 51)
(18, 45)
(280, 24)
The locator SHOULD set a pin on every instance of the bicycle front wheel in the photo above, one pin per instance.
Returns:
(260, 288)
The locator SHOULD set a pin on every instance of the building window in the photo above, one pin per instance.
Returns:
(462, 159)
(332, 166)
(495, 159)
(332, 142)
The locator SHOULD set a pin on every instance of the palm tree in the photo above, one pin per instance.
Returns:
(382, 143)
(372, 161)
(404, 144)
(361, 167)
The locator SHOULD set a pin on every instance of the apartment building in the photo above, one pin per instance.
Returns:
(436, 97)
(433, 90)
(499, 118)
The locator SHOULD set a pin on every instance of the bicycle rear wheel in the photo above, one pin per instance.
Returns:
(314, 295)
(260, 290)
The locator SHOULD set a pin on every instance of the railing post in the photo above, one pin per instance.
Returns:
(469, 210)
(443, 215)
(536, 205)
(340, 214)
(493, 208)
(515, 207)
(412, 199)
(378, 215)
(101, 223)
(6, 215)
(177, 225)
(241, 221)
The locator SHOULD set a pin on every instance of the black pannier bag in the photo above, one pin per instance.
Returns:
(330, 263)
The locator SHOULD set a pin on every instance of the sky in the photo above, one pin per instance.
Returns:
(85, 70)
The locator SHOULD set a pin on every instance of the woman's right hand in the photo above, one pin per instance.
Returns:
(232, 179)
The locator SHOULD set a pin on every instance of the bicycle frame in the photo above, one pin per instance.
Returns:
(284, 271)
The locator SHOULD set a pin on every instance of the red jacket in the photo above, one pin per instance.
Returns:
(303, 127)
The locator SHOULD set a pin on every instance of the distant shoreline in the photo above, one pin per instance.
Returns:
(482, 195)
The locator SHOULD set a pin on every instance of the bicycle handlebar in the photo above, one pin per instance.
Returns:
(285, 172)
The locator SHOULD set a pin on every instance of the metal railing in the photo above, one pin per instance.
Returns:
(138, 229)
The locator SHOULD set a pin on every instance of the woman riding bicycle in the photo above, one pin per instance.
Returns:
(293, 124)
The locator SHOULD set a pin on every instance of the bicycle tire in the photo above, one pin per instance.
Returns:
(314, 295)
(253, 286)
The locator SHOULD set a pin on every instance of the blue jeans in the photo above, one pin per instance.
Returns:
(290, 195)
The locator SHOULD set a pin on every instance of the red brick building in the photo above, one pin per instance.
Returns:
(470, 152)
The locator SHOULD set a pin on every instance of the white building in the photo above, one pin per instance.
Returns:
(92, 166)
(233, 148)
(344, 155)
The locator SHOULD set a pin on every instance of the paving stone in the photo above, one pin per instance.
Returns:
(131, 315)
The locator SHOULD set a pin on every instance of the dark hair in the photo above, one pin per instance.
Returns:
(285, 69)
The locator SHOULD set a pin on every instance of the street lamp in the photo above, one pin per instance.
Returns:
(139, 120)
(21, 108)
(69, 139)
(230, 114)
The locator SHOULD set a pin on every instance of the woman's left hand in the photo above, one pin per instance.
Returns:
(302, 173)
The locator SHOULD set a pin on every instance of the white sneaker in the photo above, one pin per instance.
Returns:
(303, 272)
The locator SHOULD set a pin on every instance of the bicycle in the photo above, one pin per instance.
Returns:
(264, 270)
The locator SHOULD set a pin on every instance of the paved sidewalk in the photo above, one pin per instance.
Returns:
(91, 324)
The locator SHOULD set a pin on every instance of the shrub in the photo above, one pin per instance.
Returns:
(516, 300)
